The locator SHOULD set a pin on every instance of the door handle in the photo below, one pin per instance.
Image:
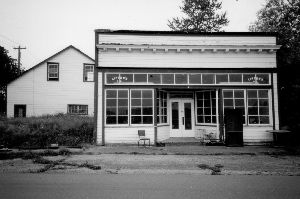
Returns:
(182, 120)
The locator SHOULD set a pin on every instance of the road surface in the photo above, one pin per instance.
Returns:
(141, 186)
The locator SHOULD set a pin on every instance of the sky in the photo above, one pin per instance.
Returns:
(45, 27)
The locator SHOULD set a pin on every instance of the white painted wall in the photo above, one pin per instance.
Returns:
(128, 135)
(276, 106)
(163, 132)
(257, 134)
(50, 97)
(184, 40)
(100, 109)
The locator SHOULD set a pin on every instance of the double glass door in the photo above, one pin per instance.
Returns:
(182, 118)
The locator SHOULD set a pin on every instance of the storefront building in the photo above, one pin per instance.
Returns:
(175, 84)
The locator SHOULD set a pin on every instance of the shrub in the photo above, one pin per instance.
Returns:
(40, 132)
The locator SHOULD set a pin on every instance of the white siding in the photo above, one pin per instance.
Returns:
(100, 109)
(173, 59)
(50, 97)
(201, 130)
(185, 40)
(257, 134)
(276, 108)
(127, 135)
(163, 133)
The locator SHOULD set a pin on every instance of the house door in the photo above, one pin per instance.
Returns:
(182, 118)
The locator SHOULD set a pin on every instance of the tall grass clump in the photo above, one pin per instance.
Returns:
(40, 132)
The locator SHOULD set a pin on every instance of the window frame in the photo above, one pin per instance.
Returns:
(85, 72)
(48, 72)
(85, 105)
(153, 101)
(211, 115)
(105, 107)
(161, 108)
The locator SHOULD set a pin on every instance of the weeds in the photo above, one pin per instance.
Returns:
(215, 170)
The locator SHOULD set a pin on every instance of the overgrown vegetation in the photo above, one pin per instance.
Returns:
(40, 132)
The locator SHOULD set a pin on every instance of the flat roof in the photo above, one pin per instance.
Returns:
(152, 32)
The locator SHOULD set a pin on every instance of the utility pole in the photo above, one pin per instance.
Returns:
(19, 56)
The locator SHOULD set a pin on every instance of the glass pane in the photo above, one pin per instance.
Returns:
(154, 78)
(136, 94)
(136, 102)
(140, 78)
(249, 78)
(200, 119)
(228, 102)
(122, 102)
(111, 93)
(207, 119)
(136, 119)
(208, 79)
(253, 119)
(239, 102)
(252, 110)
(122, 111)
(252, 93)
(147, 111)
(238, 94)
(262, 78)
(111, 120)
(187, 116)
(111, 102)
(168, 78)
(147, 94)
(123, 94)
(263, 110)
(227, 94)
(264, 120)
(200, 111)
(207, 111)
(136, 111)
(222, 79)
(263, 102)
(123, 120)
(112, 78)
(127, 78)
(175, 115)
(147, 102)
(111, 111)
(147, 120)
(181, 79)
(252, 102)
(262, 93)
(235, 78)
(195, 78)
(214, 119)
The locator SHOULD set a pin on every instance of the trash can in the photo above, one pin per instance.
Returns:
(233, 121)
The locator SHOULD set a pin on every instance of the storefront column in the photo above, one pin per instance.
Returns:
(221, 115)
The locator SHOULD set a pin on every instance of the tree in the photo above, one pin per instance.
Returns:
(8, 71)
(201, 16)
(283, 17)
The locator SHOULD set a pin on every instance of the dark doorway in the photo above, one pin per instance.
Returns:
(233, 120)
(20, 110)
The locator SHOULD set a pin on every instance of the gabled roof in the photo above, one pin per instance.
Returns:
(46, 60)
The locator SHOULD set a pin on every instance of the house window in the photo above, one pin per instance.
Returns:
(206, 107)
(234, 99)
(117, 106)
(52, 71)
(161, 107)
(141, 106)
(88, 72)
(258, 107)
(77, 109)
(19, 110)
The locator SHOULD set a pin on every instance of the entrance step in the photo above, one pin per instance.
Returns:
(182, 141)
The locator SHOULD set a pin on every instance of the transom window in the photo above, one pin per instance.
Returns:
(141, 106)
(162, 107)
(77, 109)
(206, 107)
(52, 71)
(189, 78)
(116, 106)
(88, 72)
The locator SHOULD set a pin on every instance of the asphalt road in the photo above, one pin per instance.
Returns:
(140, 186)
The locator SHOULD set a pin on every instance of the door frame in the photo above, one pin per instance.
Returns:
(181, 132)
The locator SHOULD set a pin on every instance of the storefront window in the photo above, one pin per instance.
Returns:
(234, 99)
(116, 106)
(258, 107)
(206, 107)
(162, 107)
(141, 106)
